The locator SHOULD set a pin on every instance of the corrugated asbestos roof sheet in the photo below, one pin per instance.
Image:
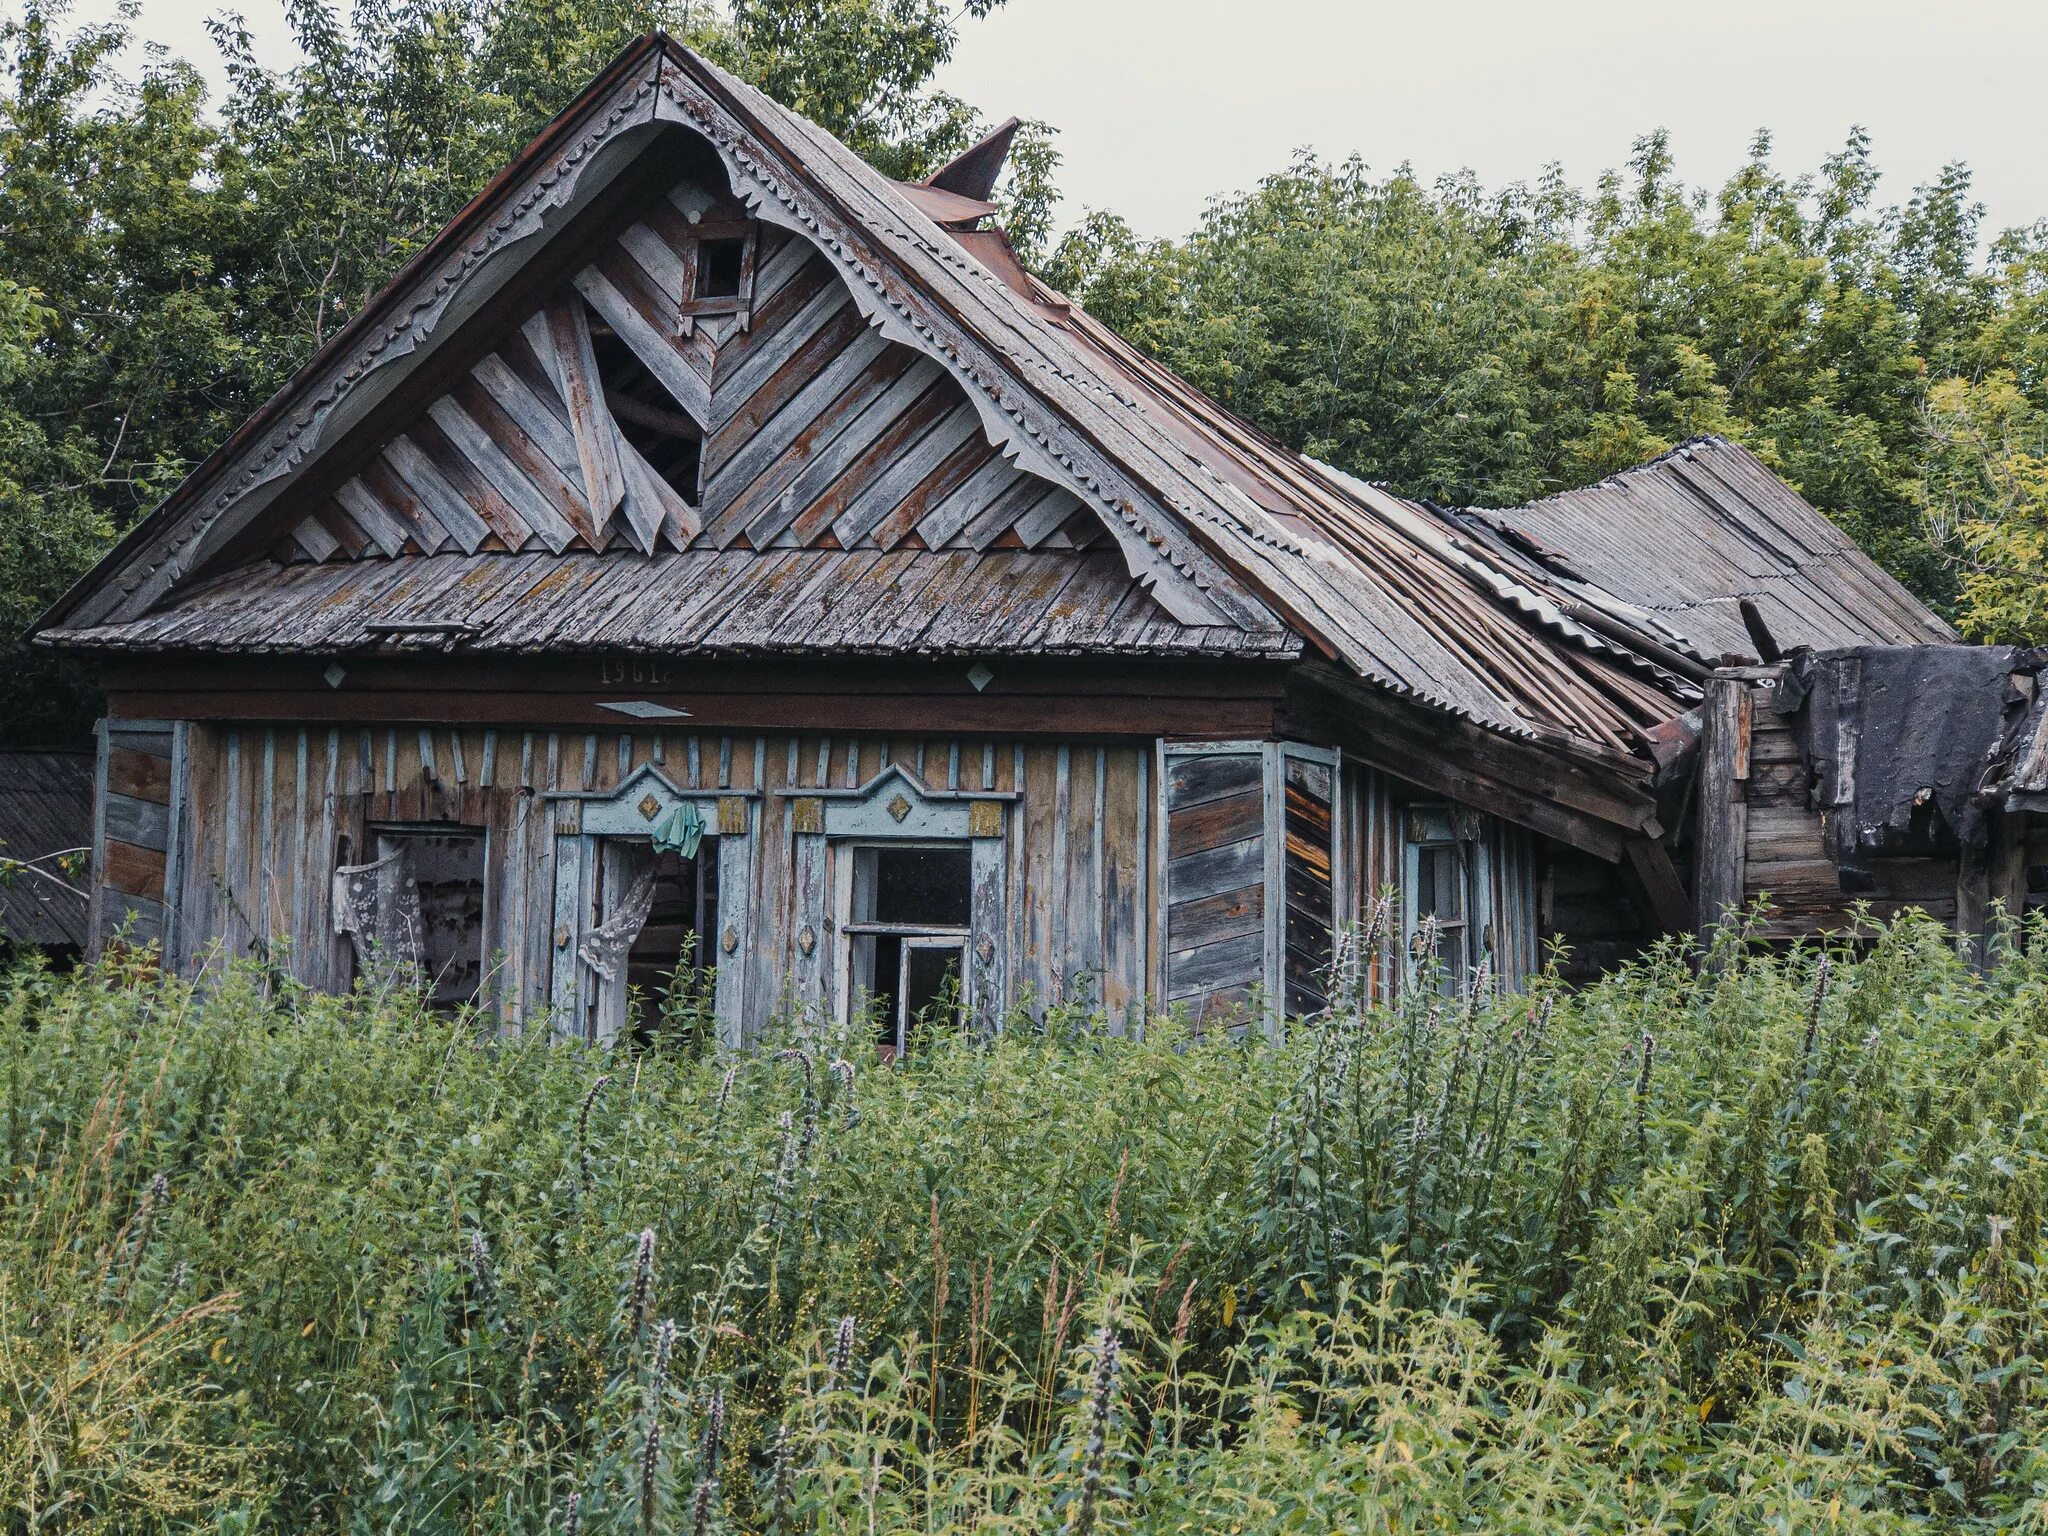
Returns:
(45, 807)
(701, 601)
(1687, 535)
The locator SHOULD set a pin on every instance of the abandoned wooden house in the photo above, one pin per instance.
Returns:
(711, 557)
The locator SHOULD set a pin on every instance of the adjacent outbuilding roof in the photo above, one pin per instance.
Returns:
(45, 808)
(1686, 537)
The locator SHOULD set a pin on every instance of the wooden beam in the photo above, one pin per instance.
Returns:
(1523, 782)
(1098, 716)
(604, 481)
(1670, 903)
(1722, 838)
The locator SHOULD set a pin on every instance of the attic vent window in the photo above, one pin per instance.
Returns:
(721, 274)
(720, 268)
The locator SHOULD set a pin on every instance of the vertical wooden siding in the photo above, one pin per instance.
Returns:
(1371, 842)
(271, 804)
(135, 853)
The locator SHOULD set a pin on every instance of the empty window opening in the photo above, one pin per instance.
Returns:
(721, 267)
(907, 940)
(416, 911)
(660, 945)
(647, 413)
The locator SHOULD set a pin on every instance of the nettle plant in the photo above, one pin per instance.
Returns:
(1728, 1242)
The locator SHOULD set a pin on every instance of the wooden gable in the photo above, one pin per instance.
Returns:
(703, 381)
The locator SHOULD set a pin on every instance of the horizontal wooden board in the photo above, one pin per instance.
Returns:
(133, 870)
(139, 775)
(1213, 823)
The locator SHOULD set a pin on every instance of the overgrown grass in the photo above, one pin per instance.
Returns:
(1753, 1248)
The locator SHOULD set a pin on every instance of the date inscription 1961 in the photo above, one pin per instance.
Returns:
(614, 670)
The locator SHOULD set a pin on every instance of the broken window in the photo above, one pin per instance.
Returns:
(653, 914)
(1444, 896)
(415, 912)
(647, 414)
(907, 938)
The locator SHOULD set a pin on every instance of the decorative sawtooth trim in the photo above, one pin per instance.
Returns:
(755, 165)
(292, 444)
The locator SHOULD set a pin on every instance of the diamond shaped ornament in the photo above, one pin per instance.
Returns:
(649, 806)
(898, 806)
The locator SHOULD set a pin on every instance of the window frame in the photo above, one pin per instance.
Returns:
(952, 938)
(895, 807)
(1434, 828)
(374, 833)
(694, 307)
(582, 821)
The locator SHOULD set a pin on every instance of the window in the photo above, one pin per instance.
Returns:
(415, 912)
(720, 268)
(653, 915)
(907, 938)
(721, 274)
(1445, 889)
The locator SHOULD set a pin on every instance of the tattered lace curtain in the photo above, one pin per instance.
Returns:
(606, 947)
(378, 906)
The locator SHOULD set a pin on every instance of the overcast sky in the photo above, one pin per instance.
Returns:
(1161, 103)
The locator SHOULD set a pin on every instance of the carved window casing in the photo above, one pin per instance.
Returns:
(605, 863)
(865, 897)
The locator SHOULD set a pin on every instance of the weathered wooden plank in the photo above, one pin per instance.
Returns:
(314, 538)
(549, 521)
(915, 459)
(1213, 823)
(651, 502)
(1215, 870)
(838, 444)
(819, 510)
(1232, 963)
(450, 508)
(1212, 919)
(556, 484)
(646, 342)
(384, 529)
(597, 452)
(957, 508)
(1193, 780)
(133, 870)
(145, 823)
(137, 774)
(485, 499)
(1720, 843)
(764, 357)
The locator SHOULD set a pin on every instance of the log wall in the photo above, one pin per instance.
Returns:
(271, 806)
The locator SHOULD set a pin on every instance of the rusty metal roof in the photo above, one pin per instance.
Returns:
(45, 808)
(733, 602)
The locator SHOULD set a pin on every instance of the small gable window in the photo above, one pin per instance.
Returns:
(721, 273)
(719, 265)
